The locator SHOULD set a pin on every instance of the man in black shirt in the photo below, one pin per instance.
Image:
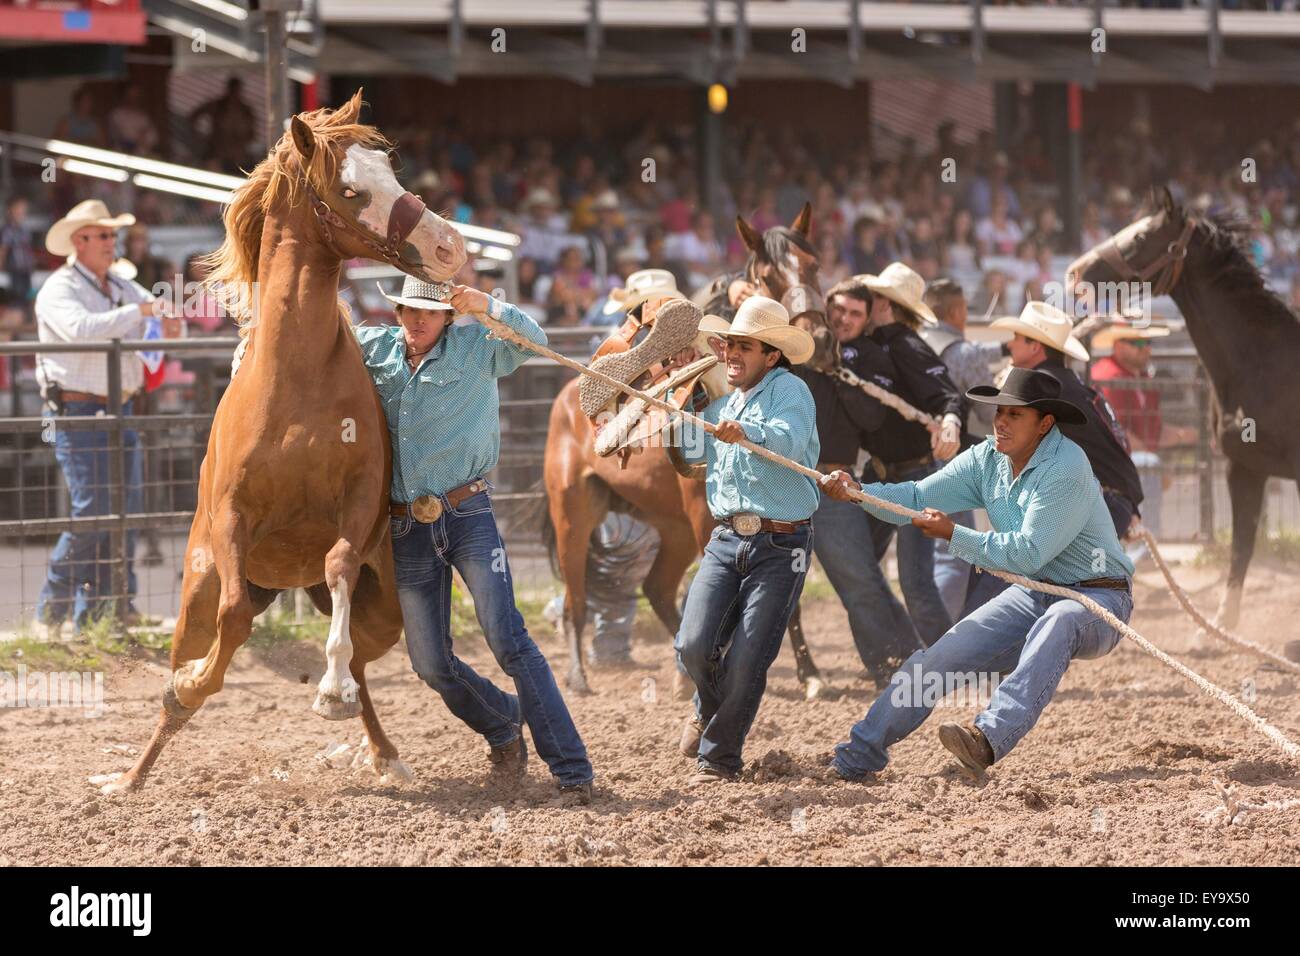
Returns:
(843, 543)
(1042, 340)
(903, 450)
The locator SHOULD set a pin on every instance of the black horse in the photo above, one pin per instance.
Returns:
(1247, 338)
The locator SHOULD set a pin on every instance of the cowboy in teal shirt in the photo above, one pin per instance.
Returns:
(754, 565)
(1049, 523)
(438, 386)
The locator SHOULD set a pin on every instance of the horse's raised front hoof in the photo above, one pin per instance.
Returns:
(336, 707)
(110, 784)
(171, 702)
(180, 697)
(812, 688)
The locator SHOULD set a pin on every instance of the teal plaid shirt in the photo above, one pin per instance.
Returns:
(778, 414)
(1049, 522)
(443, 417)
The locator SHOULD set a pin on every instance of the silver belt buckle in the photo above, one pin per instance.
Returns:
(746, 524)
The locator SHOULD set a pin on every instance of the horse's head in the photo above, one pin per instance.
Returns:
(782, 257)
(783, 265)
(1149, 251)
(361, 210)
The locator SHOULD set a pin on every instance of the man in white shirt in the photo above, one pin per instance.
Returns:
(84, 301)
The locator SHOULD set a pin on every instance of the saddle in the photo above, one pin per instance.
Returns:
(670, 326)
(624, 424)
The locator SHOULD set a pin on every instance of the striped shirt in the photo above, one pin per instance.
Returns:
(443, 417)
(779, 414)
(1049, 521)
(73, 307)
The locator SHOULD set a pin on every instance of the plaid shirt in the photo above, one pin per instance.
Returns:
(1049, 521)
(73, 307)
(443, 417)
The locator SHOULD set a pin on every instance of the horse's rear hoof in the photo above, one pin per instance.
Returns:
(336, 708)
(577, 682)
(812, 688)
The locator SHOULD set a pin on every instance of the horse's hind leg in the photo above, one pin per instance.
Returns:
(810, 678)
(677, 549)
(196, 680)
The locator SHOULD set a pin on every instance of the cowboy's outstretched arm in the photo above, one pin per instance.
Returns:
(954, 487)
(59, 308)
(505, 356)
(1056, 514)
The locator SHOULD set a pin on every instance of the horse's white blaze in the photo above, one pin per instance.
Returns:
(369, 171)
(338, 683)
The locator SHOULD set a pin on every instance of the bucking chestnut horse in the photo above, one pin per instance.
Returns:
(1246, 337)
(293, 491)
(581, 485)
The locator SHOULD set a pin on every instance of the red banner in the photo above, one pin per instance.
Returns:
(73, 21)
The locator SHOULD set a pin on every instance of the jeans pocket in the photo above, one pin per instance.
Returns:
(399, 527)
(475, 504)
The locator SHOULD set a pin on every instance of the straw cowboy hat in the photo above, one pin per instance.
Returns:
(768, 321)
(539, 196)
(92, 212)
(642, 285)
(1034, 389)
(898, 283)
(1047, 324)
(418, 294)
(1125, 328)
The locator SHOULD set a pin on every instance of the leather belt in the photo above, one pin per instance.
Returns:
(749, 524)
(889, 471)
(1111, 584)
(91, 397)
(428, 508)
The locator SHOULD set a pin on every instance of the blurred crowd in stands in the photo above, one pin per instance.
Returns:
(592, 209)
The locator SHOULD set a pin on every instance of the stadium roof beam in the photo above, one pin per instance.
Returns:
(224, 34)
(422, 54)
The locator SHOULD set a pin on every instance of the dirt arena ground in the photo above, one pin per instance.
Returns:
(1120, 769)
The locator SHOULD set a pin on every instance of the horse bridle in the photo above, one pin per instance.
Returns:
(402, 220)
(1166, 268)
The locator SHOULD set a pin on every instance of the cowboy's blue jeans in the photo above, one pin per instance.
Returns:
(880, 625)
(79, 579)
(466, 538)
(736, 613)
(1025, 635)
(915, 568)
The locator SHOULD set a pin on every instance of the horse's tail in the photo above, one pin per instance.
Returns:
(534, 514)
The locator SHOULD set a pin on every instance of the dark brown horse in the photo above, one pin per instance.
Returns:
(581, 485)
(1247, 339)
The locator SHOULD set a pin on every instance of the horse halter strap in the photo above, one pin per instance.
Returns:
(402, 220)
(1167, 268)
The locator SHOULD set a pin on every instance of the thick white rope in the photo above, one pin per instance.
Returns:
(1211, 628)
(887, 398)
(1279, 739)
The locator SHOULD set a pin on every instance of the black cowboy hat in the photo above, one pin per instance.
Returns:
(1029, 387)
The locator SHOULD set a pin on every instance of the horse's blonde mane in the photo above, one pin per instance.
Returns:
(232, 269)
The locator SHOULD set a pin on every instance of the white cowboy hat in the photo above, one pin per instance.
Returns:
(1124, 328)
(418, 294)
(539, 196)
(606, 200)
(642, 285)
(903, 285)
(92, 212)
(768, 321)
(1047, 324)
